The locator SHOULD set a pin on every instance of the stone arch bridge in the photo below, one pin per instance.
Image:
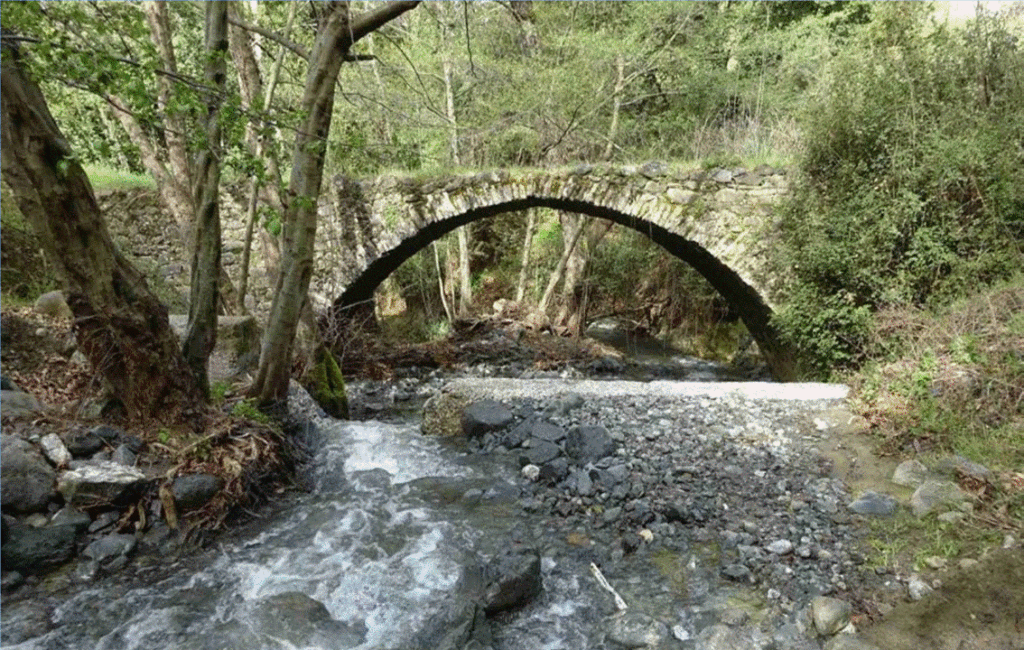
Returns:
(722, 222)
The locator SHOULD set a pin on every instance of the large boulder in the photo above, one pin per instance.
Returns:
(300, 621)
(16, 403)
(29, 549)
(26, 479)
(588, 444)
(513, 579)
(484, 416)
(101, 482)
(193, 491)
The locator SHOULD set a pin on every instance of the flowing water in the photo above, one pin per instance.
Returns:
(382, 553)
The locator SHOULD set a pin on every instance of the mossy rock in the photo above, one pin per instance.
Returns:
(326, 385)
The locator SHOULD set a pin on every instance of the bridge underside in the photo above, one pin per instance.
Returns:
(744, 299)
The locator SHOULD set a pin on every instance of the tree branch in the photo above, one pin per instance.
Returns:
(371, 20)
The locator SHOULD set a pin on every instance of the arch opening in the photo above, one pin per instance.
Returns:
(743, 299)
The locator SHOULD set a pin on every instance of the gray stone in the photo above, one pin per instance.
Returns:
(588, 444)
(737, 572)
(26, 479)
(723, 176)
(781, 547)
(295, 619)
(874, 504)
(681, 196)
(14, 403)
(917, 587)
(484, 416)
(932, 495)
(83, 442)
(539, 453)
(636, 630)
(910, 473)
(70, 516)
(53, 304)
(29, 550)
(849, 642)
(123, 456)
(723, 637)
(830, 615)
(110, 547)
(546, 431)
(54, 449)
(513, 579)
(100, 482)
(953, 466)
(193, 491)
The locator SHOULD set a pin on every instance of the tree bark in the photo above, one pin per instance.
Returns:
(251, 87)
(121, 327)
(335, 35)
(524, 267)
(201, 334)
(570, 239)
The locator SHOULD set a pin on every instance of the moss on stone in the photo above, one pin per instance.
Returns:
(325, 383)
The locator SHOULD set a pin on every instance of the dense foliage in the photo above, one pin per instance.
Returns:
(912, 186)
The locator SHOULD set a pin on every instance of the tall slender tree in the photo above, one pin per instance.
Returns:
(337, 31)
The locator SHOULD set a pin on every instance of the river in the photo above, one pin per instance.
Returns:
(384, 550)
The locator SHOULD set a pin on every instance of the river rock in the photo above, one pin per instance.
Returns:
(830, 615)
(512, 579)
(459, 624)
(723, 637)
(588, 444)
(781, 547)
(874, 504)
(15, 403)
(539, 453)
(849, 642)
(300, 621)
(932, 495)
(546, 431)
(29, 549)
(110, 549)
(84, 442)
(917, 587)
(26, 479)
(70, 516)
(958, 465)
(54, 449)
(100, 482)
(53, 304)
(636, 630)
(910, 473)
(484, 416)
(192, 491)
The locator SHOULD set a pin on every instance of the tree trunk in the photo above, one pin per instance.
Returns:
(251, 86)
(570, 239)
(465, 281)
(524, 267)
(121, 327)
(335, 35)
(201, 335)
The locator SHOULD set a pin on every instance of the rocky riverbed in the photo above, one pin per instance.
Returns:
(661, 514)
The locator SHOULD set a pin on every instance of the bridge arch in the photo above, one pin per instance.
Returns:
(711, 221)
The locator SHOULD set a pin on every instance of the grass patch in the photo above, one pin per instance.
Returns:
(951, 382)
(906, 543)
(104, 178)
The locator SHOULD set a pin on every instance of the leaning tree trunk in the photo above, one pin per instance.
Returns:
(121, 326)
(201, 334)
(335, 36)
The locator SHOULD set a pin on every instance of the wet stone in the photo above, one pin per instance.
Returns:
(874, 504)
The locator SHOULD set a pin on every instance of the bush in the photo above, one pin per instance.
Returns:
(908, 193)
